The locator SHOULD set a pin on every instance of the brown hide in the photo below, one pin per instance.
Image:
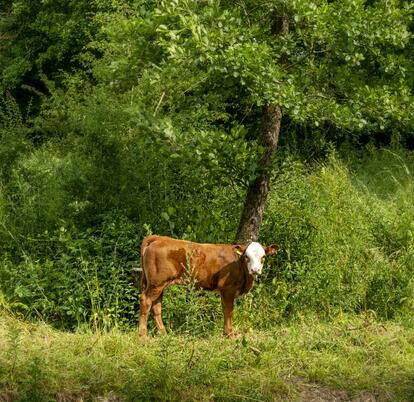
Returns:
(217, 267)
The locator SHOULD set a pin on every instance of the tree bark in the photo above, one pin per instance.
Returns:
(258, 190)
(252, 215)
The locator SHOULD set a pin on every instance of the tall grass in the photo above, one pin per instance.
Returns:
(309, 360)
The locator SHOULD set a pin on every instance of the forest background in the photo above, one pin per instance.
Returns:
(123, 118)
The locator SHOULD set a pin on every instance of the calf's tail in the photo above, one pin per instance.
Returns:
(144, 245)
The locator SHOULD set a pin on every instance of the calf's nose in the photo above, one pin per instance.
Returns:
(256, 270)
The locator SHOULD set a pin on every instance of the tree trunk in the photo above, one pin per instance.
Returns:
(252, 215)
(254, 204)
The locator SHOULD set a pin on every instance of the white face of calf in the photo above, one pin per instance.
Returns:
(255, 254)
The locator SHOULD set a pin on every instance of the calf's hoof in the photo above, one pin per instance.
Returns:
(142, 334)
(231, 334)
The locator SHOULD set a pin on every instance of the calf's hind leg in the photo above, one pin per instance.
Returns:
(156, 311)
(147, 299)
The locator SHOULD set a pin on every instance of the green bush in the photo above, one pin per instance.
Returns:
(344, 248)
(73, 278)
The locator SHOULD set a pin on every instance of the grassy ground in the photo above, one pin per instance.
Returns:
(351, 358)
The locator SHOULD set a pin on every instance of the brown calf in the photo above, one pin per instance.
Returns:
(227, 269)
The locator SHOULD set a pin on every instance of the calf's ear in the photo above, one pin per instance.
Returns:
(272, 249)
(239, 249)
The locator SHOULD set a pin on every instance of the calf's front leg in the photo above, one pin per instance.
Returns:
(227, 302)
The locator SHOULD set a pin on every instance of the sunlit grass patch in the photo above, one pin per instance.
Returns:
(351, 355)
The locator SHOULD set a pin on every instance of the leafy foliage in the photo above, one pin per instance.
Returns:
(44, 37)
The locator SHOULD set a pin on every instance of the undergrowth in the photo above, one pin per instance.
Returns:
(347, 245)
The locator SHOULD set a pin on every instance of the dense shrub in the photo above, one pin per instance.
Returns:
(344, 248)
(73, 278)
